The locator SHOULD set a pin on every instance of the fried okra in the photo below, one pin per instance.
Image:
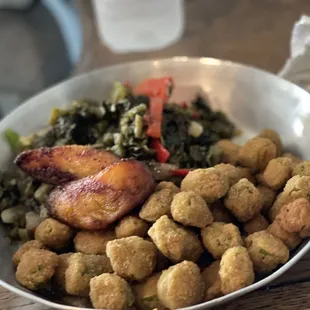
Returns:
(274, 137)
(93, 242)
(231, 172)
(167, 185)
(190, 209)
(244, 200)
(162, 262)
(295, 217)
(268, 196)
(36, 268)
(305, 233)
(245, 173)
(220, 213)
(174, 241)
(32, 244)
(218, 237)
(229, 150)
(257, 223)
(236, 270)
(209, 183)
(212, 281)
(296, 187)
(83, 267)
(109, 291)
(146, 294)
(180, 286)
(131, 226)
(278, 172)
(132, 258)
(256, 153)
(291, 240)
(302, 169)
(266, 251)
(59, 278)
(281, 200)
(53, 234)
(260, 178)
(157, 205)
(295, 159)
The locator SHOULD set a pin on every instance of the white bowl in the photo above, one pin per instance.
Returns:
(254, 100)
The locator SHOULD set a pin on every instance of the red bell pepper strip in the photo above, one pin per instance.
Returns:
(184, 105)
(155, 117)
(156, 87)
(127, 84)
(158, 90)
(162, 154)
(180, 172)
(195, 115)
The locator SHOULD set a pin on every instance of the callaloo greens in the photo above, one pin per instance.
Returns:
(188, 131)
(121, 124)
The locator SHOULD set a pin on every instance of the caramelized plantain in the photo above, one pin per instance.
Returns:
(60, 164)
(94, 202)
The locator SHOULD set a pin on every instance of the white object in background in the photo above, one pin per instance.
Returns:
(297, 67)
(139, 25)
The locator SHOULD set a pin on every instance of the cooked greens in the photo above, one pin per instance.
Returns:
(13, 140)
(119, 124)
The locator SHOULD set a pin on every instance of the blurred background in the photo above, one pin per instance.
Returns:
(41, 42)
(46, 41)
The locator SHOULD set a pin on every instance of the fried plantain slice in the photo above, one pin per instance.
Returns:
(94, 202)
(60, 164)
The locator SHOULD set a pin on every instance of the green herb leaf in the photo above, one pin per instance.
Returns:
(12, 138)
(265, 253)
(55, 114)
(119, 92)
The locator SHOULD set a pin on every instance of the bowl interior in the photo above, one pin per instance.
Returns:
(252, 98)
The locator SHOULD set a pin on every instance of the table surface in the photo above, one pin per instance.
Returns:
(248, 31)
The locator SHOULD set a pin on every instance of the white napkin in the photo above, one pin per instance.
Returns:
(297, 67)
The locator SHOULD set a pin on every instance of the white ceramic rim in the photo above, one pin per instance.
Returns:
(180, 59)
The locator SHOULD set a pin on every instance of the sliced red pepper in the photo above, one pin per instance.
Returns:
(158, 90)
(184, 105)
(162, 154)
(180, 172)
(155, 87)
(195, 115)
(127, 84)
(156, 108)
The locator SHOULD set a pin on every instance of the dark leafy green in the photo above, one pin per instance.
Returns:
(194, 152)
(118, 124)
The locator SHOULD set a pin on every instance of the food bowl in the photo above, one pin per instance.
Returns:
(253, 99)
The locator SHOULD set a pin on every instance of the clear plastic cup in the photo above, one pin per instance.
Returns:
(139, 25)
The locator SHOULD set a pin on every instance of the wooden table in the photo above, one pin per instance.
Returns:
(255, 32)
